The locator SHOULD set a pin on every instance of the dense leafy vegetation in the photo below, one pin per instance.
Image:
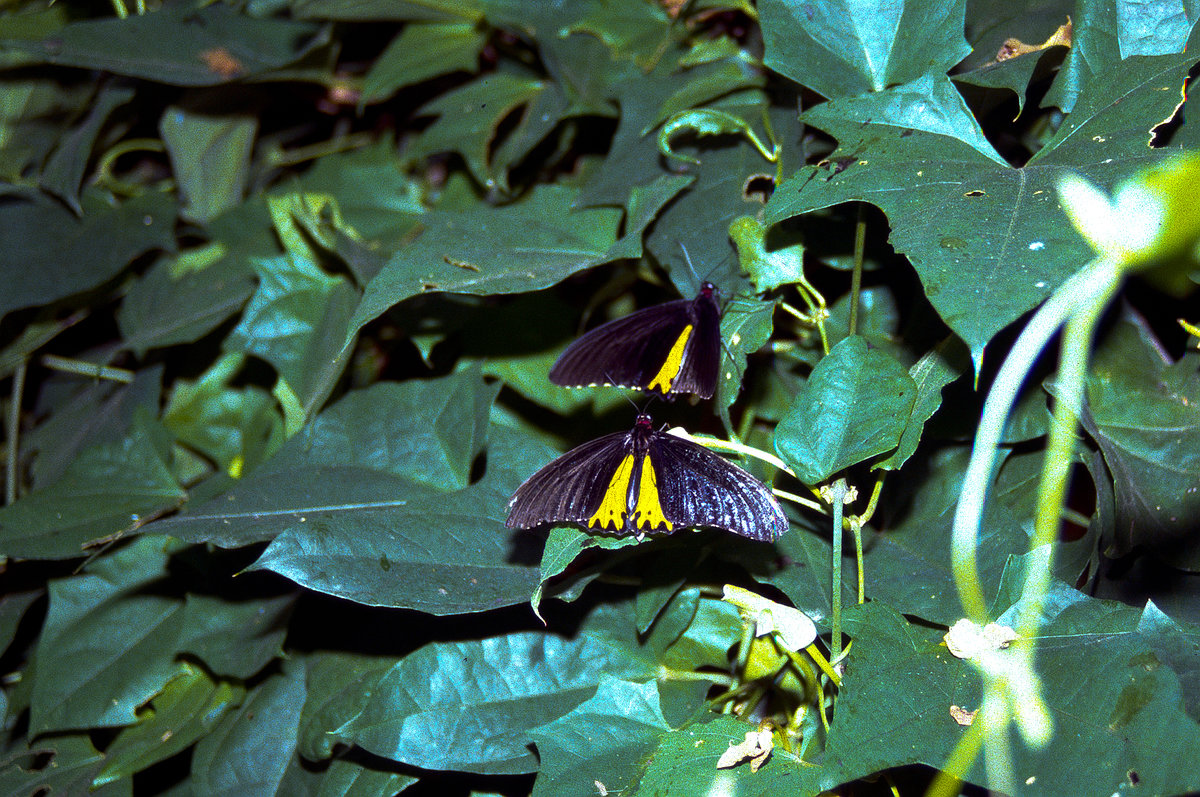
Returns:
(282, 281)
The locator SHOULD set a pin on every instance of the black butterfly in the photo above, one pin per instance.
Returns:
(669, 348)
(646, 481)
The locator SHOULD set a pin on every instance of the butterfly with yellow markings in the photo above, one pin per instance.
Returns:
(646, 481)
(668, 349)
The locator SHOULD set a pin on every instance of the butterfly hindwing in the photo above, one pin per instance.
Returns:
(669, 348)
(699, 488)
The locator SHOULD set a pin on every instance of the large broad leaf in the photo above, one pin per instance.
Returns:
(440, 553)
(249, 751)
(210, 156)
(907, 561)
(187, 708)
(1144, 413)
(235, 428)
(180, 299)
(376, 10)
(600, 740)
(376, 448)
(420, 52)
(371, 502)
(295, 321)
(65, 168)
(342, 778)
(49, 254)
(1132, 705)
(178, 44)
(1105, 33)
(474, 706)
(468, 118)
(61, 764)
(856, 404)
(526, 246)
(109, 643)
(685, 765)
(107, 490)
(849, 47)
(987, 240)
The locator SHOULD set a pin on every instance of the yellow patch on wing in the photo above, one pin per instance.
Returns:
(670, 369)
(647, 512)
(613, 505)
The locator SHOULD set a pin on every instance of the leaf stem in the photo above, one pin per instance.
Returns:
(860, 238)
(1021, 358)
(94, 370)
(836, 497)
(13, 431)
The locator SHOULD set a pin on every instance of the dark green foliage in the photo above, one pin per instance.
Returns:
(280, 285)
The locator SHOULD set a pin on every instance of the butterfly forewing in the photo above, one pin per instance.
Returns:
(669, 348)
(571, 488)
(702, 360)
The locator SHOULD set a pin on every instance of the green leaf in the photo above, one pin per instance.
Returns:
(639, 31)
(210, 157)
(856, 404)
(442, 553)
(182, 298)
(938, 368)
(342, 778)
(110, 643)
(420, 52)
(908, 563)
(73, 763)
(685, 764)
(995, 243)
(296, 321)
(178, 44)
(377, 200)
(187, 708)
(715, 626)
(50, 254)
(903, 672)
(768, 269)
(376, 10)
(699, 220)
(248, 752)
(35, 112)
(109, 489)
(1132, 704)
(1106, 34)
(746, 326)
(1144, 413)
(65, 168)
(528, 245)
(372, 450)
(89, 413)
(468, 118)
(600, 741)
(12, 610)
(456, 705)
(850, 47)
(237, 428)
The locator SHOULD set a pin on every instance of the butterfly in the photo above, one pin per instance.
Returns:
(644, 481)
(669, 348)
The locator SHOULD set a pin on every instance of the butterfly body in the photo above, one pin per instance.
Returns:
(670, 348)
(646, 481)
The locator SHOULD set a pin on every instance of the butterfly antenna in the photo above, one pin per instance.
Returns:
(688, 259)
